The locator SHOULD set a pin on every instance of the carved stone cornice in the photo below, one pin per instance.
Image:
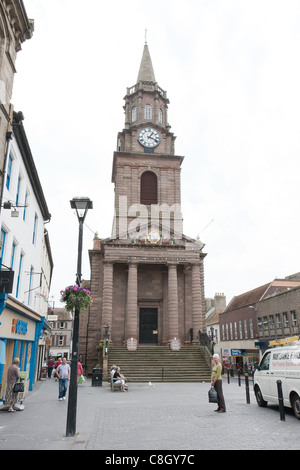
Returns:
(21, 26)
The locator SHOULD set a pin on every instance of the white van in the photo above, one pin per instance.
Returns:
(282, 363)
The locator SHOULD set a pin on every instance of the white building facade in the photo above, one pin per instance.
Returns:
(25, 250)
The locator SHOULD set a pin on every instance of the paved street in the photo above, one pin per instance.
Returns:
(163, 416)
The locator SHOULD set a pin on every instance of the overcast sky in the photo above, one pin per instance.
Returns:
(232, 72)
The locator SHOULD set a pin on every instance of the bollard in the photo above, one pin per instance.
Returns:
(239, 378)
(280, 400)
(228, 377)
(247, 389)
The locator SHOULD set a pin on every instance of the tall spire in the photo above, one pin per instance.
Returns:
(146, 72)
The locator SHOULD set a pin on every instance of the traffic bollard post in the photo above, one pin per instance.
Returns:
(280, 400)
(247, 389)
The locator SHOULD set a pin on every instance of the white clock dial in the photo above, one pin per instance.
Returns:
(148, 137)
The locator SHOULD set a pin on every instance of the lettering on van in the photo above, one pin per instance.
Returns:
(286, 359)
(281, 355)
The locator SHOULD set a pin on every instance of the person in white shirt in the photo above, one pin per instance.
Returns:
(63, 371)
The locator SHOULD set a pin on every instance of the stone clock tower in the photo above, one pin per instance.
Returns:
(147, 278)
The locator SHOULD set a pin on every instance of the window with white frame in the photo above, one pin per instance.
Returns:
(251, 328)
(246, 328)
(30, 284)
(18, 190)
(25, 206)
(35, 226)
(9, 171)
(278, 320)
(294, 320)
(2, 244)
(134, 114)
(160, 116)
(148, 111)
(285, 320)
(13, 252)
(19, 274)
(259, 324)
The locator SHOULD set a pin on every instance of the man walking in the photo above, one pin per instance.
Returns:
(50, 367)
(63, 371)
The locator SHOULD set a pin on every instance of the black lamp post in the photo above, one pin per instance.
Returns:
(82, 205)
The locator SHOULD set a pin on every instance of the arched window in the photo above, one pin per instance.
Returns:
(148, 112)
(160, 116)
(134, 114)
(148, 188)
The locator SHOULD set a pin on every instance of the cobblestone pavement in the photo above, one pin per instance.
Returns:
(161, 416)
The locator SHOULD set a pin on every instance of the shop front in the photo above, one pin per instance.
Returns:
(20, 331)
(242, 360)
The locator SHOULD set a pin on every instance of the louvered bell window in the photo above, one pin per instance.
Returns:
(148, 188)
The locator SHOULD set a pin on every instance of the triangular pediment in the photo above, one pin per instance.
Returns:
(156, 234)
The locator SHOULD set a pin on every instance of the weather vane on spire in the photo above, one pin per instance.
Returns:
(145, 36)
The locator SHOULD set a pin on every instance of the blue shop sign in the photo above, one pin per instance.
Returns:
(236, 352)
(19, 326)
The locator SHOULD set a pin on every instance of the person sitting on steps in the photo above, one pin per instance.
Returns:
(119, 378)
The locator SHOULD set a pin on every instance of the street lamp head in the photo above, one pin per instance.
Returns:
(81, 205)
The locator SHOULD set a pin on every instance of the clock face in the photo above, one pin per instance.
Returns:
(148, 137)
(153, 237)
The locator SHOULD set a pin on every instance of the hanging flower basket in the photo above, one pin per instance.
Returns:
(76, 297)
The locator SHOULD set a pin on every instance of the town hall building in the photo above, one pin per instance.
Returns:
(147, 278)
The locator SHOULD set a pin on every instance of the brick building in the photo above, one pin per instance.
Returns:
(61, 333)
(246, 320)
(278, 317)
(147, 278)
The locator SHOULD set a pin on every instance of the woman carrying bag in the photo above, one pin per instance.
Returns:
(13, 375)
(216, 381)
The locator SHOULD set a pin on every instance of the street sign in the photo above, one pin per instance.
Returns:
(52, 317)
(278, 342)
(6, 282)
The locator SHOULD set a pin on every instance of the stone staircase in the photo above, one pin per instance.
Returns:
(160, 364)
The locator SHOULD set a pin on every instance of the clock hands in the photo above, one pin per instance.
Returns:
(149, 137)
(156, 137)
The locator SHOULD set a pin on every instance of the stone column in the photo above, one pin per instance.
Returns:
(173, 301)
(196, 300)
(107, 295)
(132, 300)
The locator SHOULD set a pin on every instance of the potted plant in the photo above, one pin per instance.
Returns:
(76, 297)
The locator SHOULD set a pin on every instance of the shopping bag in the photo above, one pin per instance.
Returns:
(212, 395)
(18, 387)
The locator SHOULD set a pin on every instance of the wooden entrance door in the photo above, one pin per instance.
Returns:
(148, 325)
